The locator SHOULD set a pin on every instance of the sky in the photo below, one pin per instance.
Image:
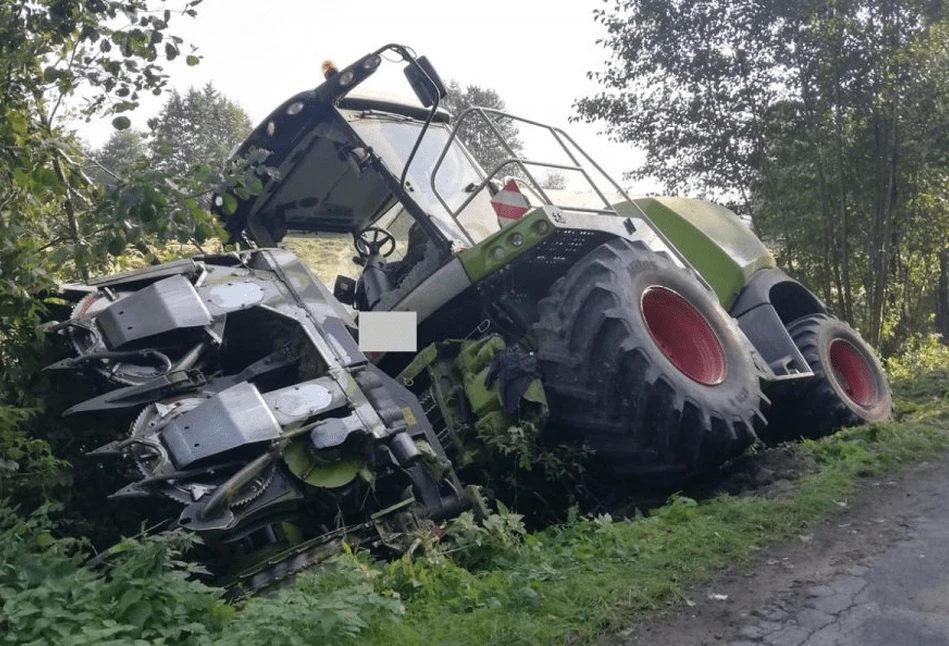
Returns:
(534, 53)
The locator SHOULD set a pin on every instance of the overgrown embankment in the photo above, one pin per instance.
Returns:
(471, 582)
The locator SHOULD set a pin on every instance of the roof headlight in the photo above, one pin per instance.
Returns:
(371, 63)
(346, 78)
(516, 239)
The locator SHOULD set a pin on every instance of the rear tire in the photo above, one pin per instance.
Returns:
(849, 387)
(642, 365)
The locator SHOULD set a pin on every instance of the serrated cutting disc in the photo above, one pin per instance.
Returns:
(151, 455)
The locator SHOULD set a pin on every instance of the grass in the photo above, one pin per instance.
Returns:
(326, 256)
(592, 577)
(574, 583)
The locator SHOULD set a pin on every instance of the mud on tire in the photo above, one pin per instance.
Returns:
(849, 387)
(642, 364)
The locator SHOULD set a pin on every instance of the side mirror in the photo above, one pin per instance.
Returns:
(345, 290)
(421, 76)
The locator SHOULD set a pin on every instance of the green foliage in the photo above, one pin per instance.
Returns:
(664, 87)
(54, 49)
(920, 355)
(143, 595)
(427, 579)
(108, 50)
(142, 592)
(335, 605)
(491, 540)
(575, 582)
(148, 207)
(29, 473)
(197, 129)
(118, 157)
(585, 579)
(519, 441)
(825, 121)
(94, 60)
(49, 210)
(526, 459)
(483, 144)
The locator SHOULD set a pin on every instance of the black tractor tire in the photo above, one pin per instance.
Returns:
(659, 415)
(849, 387)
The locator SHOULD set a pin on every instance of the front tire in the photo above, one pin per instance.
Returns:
(849, 387)
(642, 365)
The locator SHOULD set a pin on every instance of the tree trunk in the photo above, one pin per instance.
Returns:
(942, 297)
(888, 206)
(843, 246)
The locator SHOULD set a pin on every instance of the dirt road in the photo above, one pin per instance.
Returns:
(877, 574)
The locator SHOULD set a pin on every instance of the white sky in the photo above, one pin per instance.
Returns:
(534, 53)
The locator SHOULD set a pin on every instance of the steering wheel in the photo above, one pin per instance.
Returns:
(374, 240)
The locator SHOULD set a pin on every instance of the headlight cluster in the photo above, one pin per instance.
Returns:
(515, 240)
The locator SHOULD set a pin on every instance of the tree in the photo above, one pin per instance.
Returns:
(553, 180)
(50, 51)
(91, 59)
(201, 127)
(118, 156)
(688, 82)
(477, 135)
(50, 213)
(817, 117)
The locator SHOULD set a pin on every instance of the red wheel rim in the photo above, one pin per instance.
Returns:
(684, 336)
(853, 372)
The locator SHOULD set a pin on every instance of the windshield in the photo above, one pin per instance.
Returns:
(392, 138)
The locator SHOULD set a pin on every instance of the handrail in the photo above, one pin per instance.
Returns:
(565, 142)
(559, 136)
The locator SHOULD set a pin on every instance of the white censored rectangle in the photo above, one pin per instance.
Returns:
(388, 331)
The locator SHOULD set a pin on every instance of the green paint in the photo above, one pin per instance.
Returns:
(717, 244)
(480, 260)
(421, 361)
(473, 362)
(475, 356)
(320, 472)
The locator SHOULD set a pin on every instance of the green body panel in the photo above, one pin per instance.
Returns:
(473, 362)
(495, 429)
(422, 360)
(479, 261)
(718, 245)
(320, 473)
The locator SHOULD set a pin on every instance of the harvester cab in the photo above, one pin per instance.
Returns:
(395, 176)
